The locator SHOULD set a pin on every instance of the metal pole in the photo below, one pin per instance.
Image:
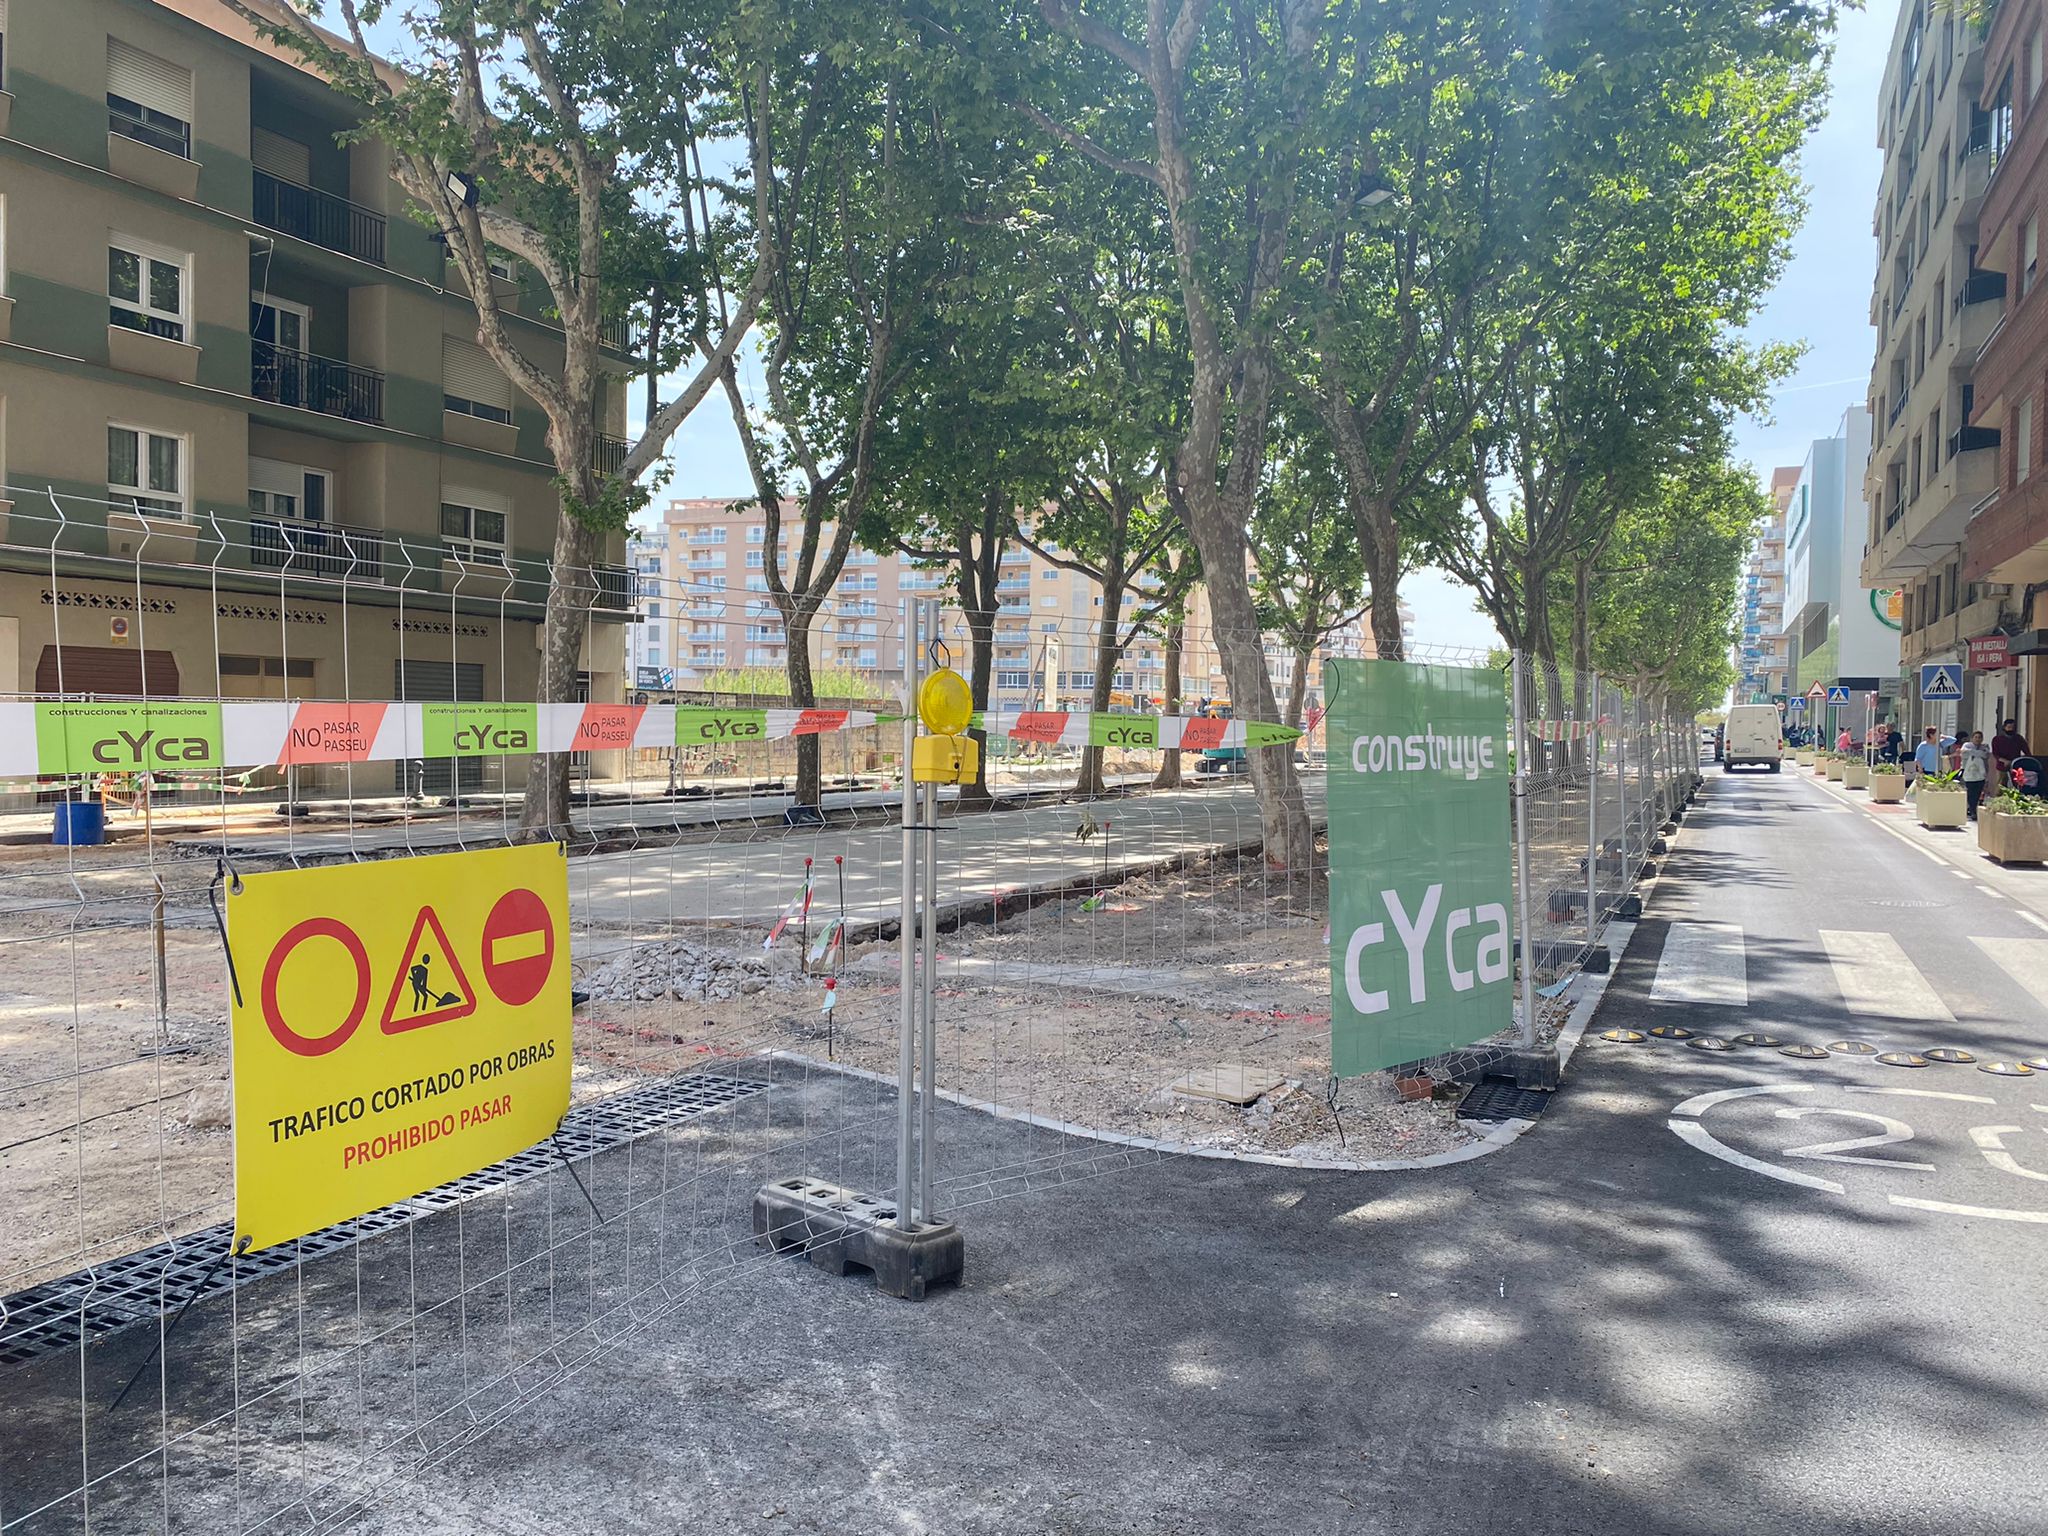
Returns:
(906, 1041)
(1593, 818)
(1527, 1036)
(1643, 770)
(929, 931)
(163, 978)
(928, 1069)
(1621, 785)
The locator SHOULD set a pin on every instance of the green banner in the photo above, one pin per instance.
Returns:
(145, 735)
(478, 730)
(717, 727)
(1123, 730)
(1257, 734)
(1421, 944)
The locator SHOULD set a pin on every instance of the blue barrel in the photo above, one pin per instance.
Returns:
(81, 823)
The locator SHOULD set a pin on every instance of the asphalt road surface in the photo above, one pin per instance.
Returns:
(1711, 1294)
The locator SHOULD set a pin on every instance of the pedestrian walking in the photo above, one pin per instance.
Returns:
(2007, 747)
(1927, 756)
(1976, 768)
(1844, 741)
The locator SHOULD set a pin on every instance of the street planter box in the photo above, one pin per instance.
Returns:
(2012, 839)
(1820, 767)
(1941, 807)
(1855, 775)
(1803, 758)
(1836, 768)
(1887, 788)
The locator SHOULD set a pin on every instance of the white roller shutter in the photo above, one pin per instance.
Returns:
(468, 373)
(286, 159)
(148, 81)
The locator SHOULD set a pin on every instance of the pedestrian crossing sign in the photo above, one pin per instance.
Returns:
(1837, 694)
(1941, 680)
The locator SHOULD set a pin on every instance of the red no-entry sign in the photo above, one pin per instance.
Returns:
(519, 947)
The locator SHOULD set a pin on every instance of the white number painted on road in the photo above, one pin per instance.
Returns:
(1990, 1141)
(1894, 1131)
(1686, 1122)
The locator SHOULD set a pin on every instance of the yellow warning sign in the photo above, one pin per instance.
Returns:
(398, 1024)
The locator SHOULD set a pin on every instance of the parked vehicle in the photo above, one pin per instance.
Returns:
(1753, 738)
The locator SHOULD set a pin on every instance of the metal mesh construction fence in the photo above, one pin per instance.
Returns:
(733, 947)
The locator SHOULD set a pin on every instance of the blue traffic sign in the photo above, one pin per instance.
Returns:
(1795, 706)
(1838, 694)
(1941, 680)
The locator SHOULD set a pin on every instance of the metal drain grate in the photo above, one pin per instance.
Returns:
(138, 1287)
(1502, 1101)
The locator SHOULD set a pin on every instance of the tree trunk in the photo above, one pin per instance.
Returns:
(1219, 522)
(803, 693)
(978, 577)
(572, 589)
(1383, 580)
(1297, 687)
(1088, 784)
(1168, 776)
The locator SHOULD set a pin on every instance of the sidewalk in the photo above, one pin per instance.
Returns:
(1954, 851)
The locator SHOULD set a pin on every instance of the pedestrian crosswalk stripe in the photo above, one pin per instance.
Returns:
(1877, 980)
(2024, 960)
(1703, 963)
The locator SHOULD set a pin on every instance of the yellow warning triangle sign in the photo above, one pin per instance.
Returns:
(429, 986)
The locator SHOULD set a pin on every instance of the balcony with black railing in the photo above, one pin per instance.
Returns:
(608, 457)
(316, 549)
(319, 218)
(313, 383)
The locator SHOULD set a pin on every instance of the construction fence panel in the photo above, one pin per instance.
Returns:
(1122, 968)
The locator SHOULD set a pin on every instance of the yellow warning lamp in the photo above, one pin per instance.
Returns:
(944, 759)
(945, 703)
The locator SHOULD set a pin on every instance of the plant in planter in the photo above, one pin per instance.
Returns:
(2013, 828)
(1855, 772)
(1940, 800)
(1887, 784)
(1838, 764)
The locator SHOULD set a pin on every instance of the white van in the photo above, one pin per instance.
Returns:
(1753, 738)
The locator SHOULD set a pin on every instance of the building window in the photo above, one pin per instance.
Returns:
(2033, 66)
(289, 491)
(2023, 441)
(146, 470)
(148, 99)
(756, 559)
(756, 534)
(146, 287)
(502, 268)
(471, 384)
(1934, 440)
(2030, 253)
(473, 533)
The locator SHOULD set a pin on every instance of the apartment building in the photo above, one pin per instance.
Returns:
(1836, 629)
(703, 609)
(1994, 611)
(1763, 669)
(1939, 305)
(242, 408)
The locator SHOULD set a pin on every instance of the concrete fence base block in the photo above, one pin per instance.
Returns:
(839, 1229)
(1535, 1067)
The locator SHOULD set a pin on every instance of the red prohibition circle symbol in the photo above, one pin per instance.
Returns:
(283, 1033)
